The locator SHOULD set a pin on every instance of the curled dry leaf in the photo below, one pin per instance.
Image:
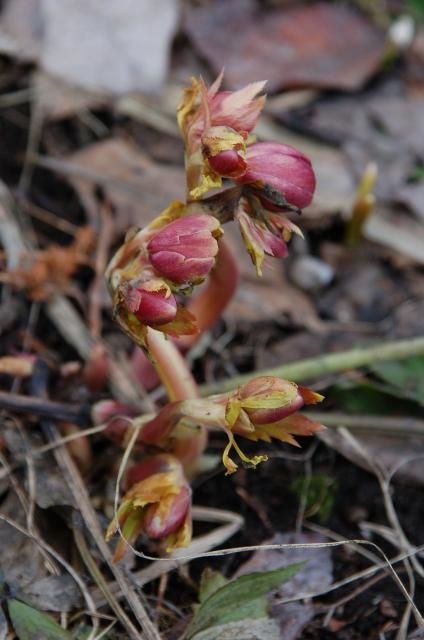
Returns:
(44, 273)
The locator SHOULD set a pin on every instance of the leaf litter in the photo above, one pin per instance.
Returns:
(376, 290)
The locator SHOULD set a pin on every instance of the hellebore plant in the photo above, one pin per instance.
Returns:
(150, 279)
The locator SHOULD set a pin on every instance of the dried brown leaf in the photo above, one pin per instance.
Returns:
(137, 188)
(44, 273)
(320, 45)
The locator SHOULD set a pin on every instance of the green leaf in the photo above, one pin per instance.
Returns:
(406, 376)
(319, 489)
(239, 599)
(30, 624)
(210, 582)
(416, 9)
(370, 397)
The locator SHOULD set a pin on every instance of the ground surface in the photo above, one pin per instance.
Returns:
(69, 162)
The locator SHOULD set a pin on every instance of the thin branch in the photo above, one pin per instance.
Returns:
(331, 363)
(400, 426)
(77, 414)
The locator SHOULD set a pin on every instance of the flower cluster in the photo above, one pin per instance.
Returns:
(166, 258)
(260, 185)
(274, 178)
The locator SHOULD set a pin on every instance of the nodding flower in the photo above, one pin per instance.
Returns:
(157, 503)
(265, 408)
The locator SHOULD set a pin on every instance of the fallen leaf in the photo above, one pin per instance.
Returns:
(53, 593)
(138, 188)
(386, 451)
(402, 118)
(321, 45)
(127, 48)
(96, 44)
(314, 576)
(22, 22)
(412, 196)
(259, 629)
(20, 560)
(398, 232)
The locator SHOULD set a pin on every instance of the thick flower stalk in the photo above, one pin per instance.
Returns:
(157, 503)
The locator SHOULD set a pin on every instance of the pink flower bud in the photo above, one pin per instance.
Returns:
(228, 163)
(151, 302)
(158, 504)
(184, 250)
(263, 389)
(280, 168)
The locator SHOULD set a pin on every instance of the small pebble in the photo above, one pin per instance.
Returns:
(310, 273)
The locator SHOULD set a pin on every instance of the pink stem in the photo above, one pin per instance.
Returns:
(175, 375)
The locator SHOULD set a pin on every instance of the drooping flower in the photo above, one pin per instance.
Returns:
(263, 232)
(262, 409)
(280, 175)
(157, 503)
(266, 408)
(216, 122)
(184, 251)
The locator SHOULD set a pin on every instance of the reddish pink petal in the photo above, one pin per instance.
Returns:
(283, 168)
(158, 524)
